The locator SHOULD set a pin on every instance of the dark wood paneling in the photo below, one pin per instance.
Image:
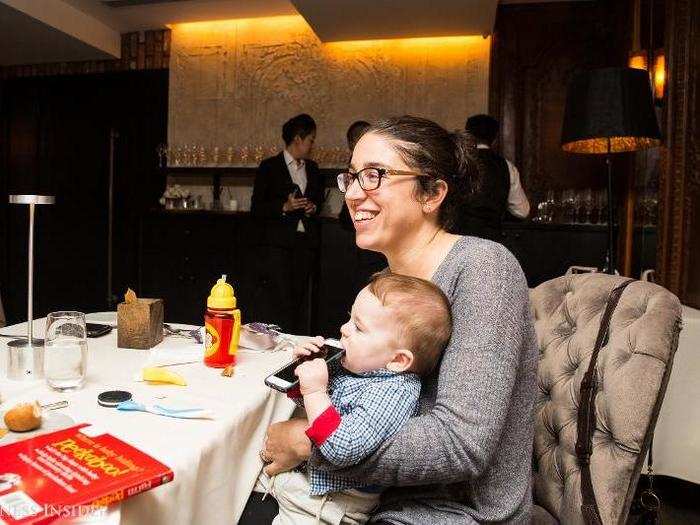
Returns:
(679, 186)
(536, 49)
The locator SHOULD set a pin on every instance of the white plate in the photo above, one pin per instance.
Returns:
(50, 422)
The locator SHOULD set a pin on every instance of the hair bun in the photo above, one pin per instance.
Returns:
(466, 160)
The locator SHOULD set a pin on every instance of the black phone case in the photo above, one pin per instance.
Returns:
(97, 330)
(296, 363)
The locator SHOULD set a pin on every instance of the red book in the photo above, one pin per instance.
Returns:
(71, 473)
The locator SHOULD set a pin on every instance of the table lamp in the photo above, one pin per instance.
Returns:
(26, 356)
(608, 111)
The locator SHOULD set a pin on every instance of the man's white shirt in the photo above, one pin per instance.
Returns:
(297, 170)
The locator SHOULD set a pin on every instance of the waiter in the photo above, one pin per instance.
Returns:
(287, 197)
(500, 190)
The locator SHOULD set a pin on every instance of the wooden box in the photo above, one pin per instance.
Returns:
(140, 324)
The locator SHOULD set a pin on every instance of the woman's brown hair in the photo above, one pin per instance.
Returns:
(430, 149)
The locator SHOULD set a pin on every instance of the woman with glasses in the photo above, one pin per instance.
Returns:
(466, 457)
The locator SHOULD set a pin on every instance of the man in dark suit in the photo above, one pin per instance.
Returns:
(287, 197)
(500, 191)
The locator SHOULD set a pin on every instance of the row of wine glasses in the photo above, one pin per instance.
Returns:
(573, 207)
(646, 209)
(249, 155)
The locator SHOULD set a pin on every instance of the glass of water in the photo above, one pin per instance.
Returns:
(65, 350)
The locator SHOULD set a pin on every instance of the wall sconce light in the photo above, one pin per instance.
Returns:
(657, 71)
(638, 60)
(659, 74)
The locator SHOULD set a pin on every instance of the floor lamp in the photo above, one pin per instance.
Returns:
(609, 111)
(26, 356)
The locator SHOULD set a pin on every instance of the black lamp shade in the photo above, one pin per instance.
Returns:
(609, 110)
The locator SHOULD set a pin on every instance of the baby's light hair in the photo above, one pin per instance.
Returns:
(423, 313)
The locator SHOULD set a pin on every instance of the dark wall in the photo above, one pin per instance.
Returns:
(56, 140)
(679, 186)
(536, 49)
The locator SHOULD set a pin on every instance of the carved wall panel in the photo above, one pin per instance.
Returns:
(234, 83)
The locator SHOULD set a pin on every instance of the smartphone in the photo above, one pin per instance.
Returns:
(284, 378)
(97, 330)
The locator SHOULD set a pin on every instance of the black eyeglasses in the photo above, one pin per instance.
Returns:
(371, 178)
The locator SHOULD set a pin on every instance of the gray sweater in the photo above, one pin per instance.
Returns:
(467, 456)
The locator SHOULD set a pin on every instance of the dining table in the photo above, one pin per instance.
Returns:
(215, 461)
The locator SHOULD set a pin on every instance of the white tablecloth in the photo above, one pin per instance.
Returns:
(677, 435)
(215, 462)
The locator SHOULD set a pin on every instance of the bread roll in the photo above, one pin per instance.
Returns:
(23, 417)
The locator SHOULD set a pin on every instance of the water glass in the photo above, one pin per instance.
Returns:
(65, 350)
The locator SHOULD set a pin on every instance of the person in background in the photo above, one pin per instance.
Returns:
(500, 189)
(287, 196)
(355, 131)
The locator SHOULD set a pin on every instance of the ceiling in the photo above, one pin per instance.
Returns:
(377, 19)
(139, 15)
(37, 31)
(26, 40)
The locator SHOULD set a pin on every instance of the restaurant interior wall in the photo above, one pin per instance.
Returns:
(233, 83)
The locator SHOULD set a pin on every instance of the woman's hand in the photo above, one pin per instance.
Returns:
(286, 446)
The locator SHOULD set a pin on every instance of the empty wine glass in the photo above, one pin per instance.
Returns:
(186, 155)
(177, 155)
(601, 198)
(578, 207)
(244, 155)
(587, 205)
(552, 204)
(161, 150)
(258, 154)
(567, 203)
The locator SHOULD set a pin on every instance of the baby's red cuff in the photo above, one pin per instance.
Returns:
(323, 426)
(294, 392)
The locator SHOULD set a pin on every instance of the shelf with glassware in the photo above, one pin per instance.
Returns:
(179, 197)
(249, 156)
(589, 207)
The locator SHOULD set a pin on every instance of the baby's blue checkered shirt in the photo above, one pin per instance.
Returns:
(373, 406)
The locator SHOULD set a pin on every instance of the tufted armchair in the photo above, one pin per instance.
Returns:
(633, 371)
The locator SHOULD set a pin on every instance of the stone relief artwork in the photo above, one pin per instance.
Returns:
(234, 83)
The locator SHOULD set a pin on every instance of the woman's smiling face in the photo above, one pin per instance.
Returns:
(387, 215)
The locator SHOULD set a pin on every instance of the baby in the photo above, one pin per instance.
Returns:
(398, 328)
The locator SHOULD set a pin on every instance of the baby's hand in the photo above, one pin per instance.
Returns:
(313, 376)
(309, 347)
